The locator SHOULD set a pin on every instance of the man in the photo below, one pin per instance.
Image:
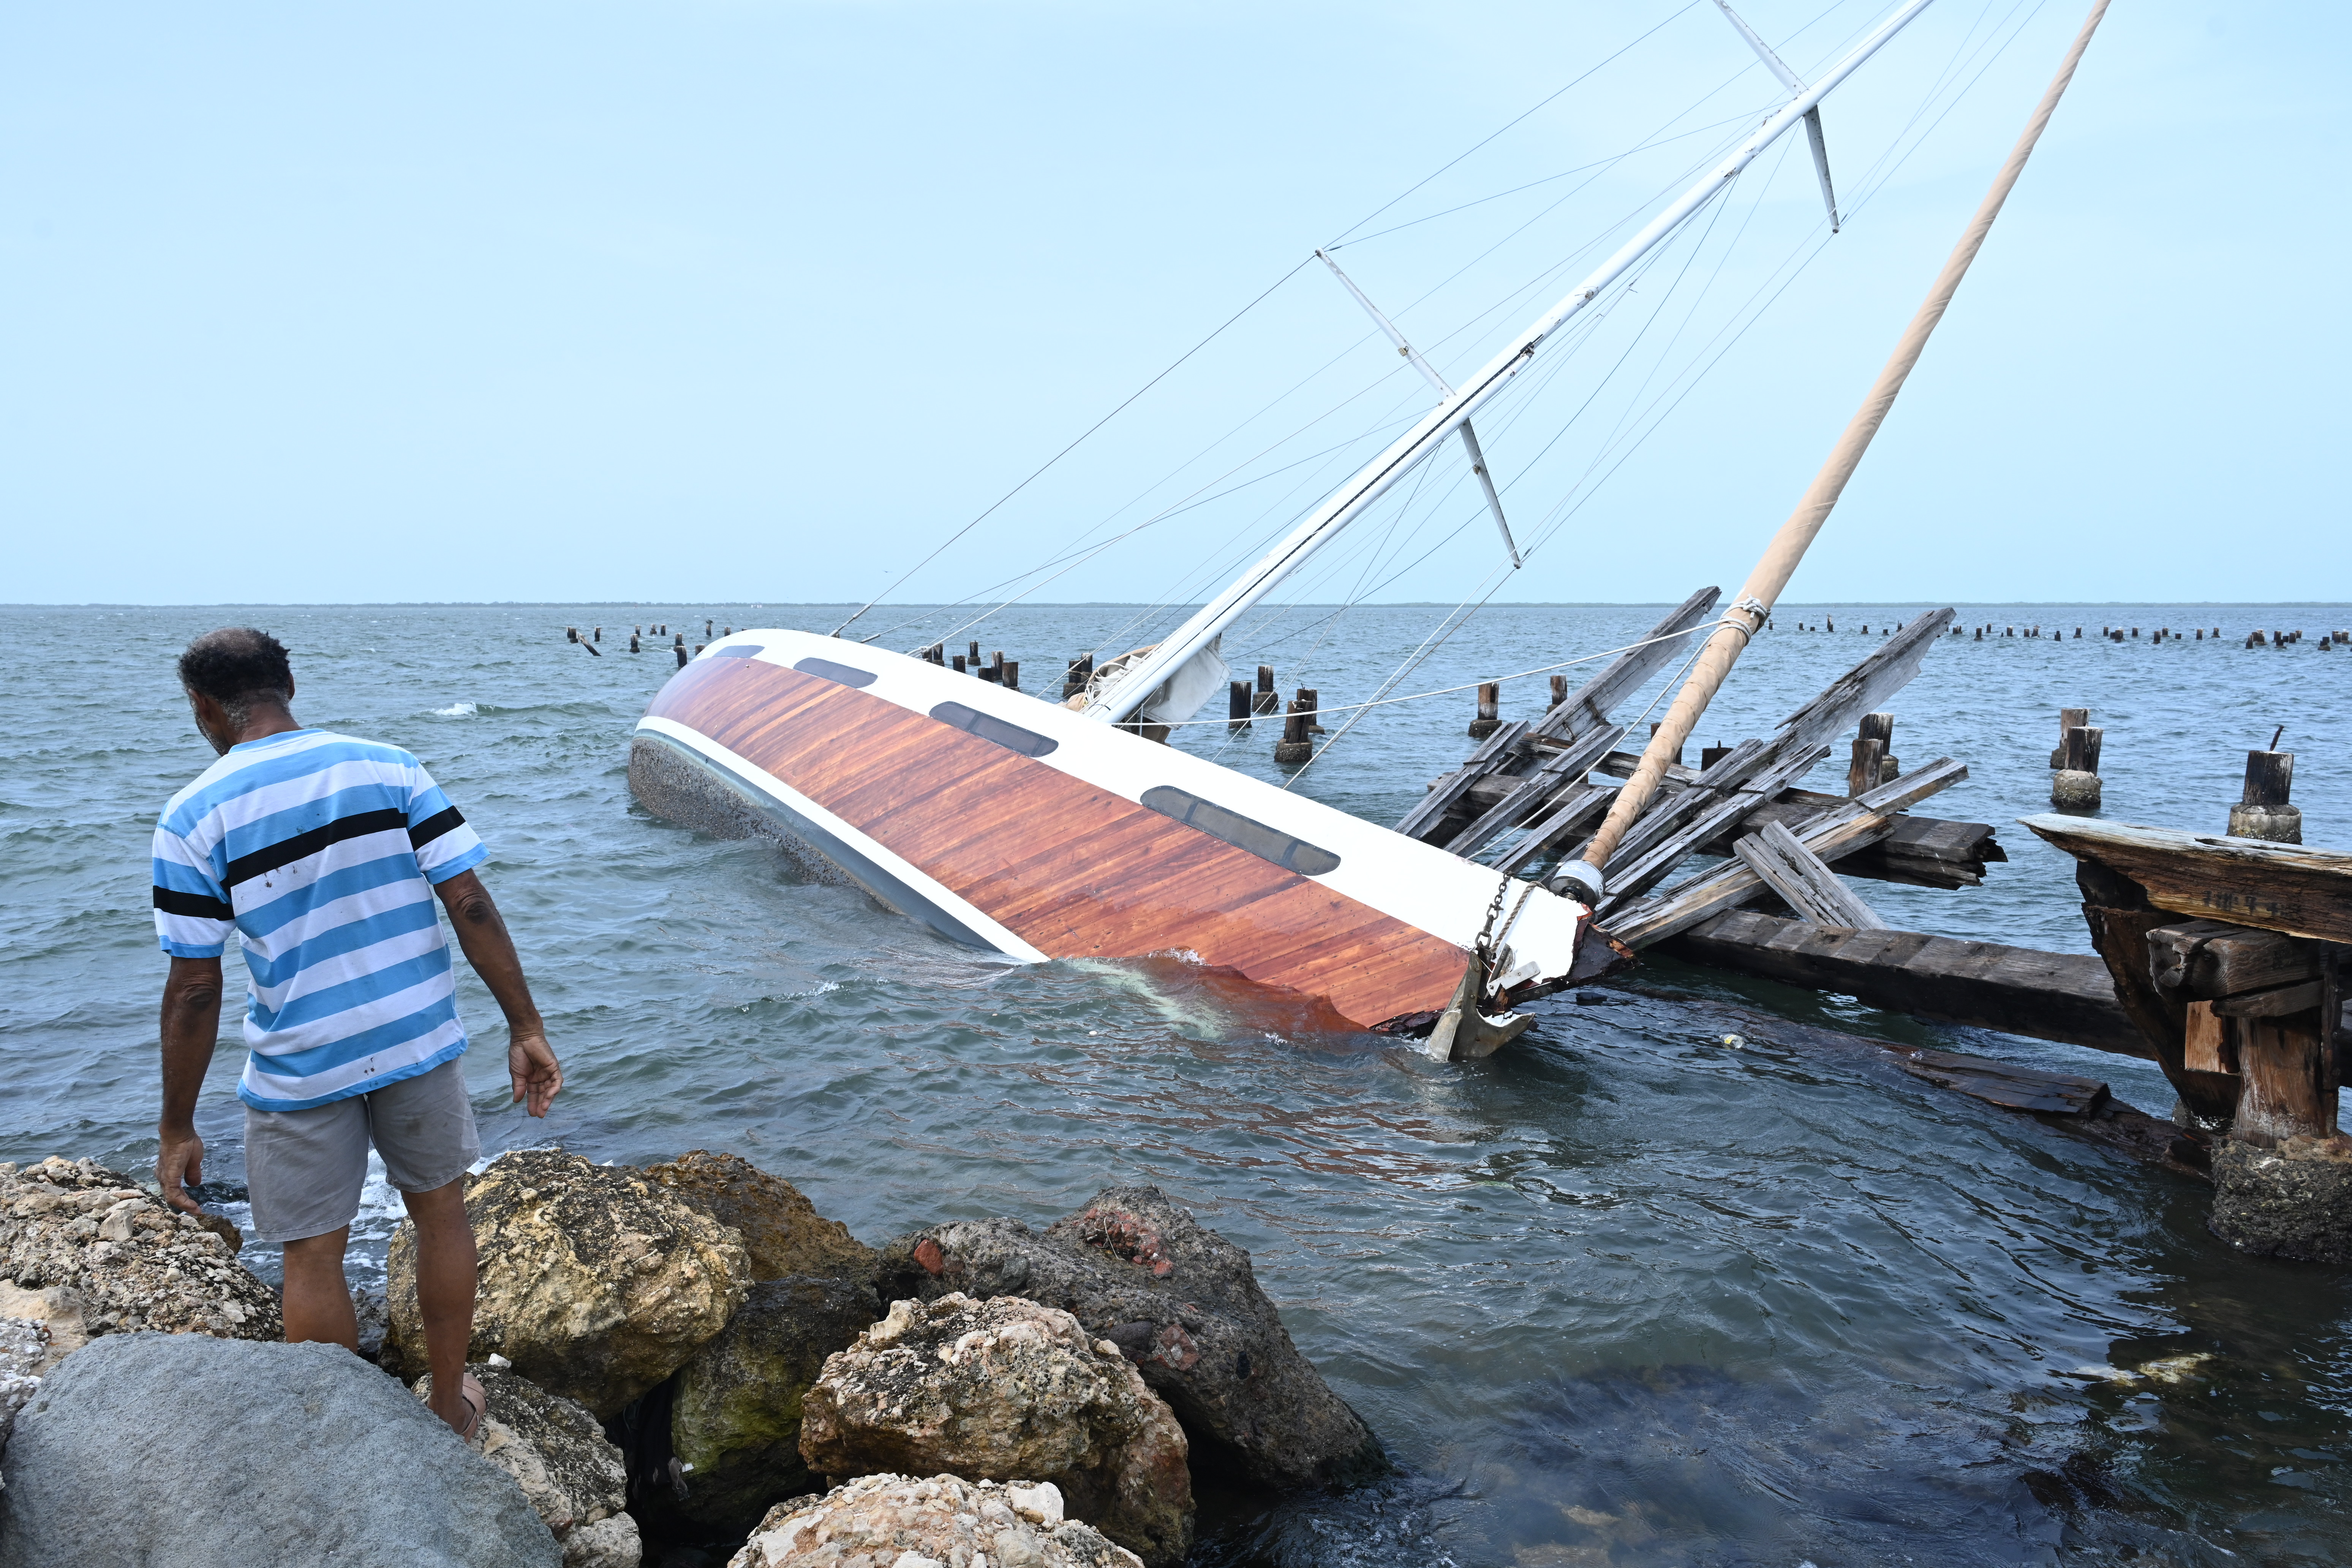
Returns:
(325, 852)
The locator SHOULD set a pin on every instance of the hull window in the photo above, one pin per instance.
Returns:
(988, 727)
(1242, 832)
(824, 669)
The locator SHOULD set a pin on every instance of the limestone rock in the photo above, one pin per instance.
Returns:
(735, 1413)
(937, 1521)
(1007, 1390)
(558, 1454)
(84, 1251)
(1181, 1303)
(595, 1284)
(209, 1453)
(24, 1347)
(781, 1229)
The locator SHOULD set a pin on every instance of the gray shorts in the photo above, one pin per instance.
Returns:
(304, 1170)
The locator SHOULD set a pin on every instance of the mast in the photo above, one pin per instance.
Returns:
(1780, 558)
(1377, 477)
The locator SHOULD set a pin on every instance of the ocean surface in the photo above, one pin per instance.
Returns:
(1621, 1294)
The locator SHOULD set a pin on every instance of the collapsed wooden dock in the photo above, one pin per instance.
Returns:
(2217, 958)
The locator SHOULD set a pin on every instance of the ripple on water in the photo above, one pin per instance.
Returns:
(1620, 1295)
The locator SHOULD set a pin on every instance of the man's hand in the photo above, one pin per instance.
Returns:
(179, 1165)
(191, 1021)
(531, 1062)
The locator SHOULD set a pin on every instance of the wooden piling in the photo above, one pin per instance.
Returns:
(1558, 690)
(1237, 705)
(1266, 700)
(600, 633)
(1710, 756)
(2068, 718)
(1294, 748)
(680, 651)
(1872, 763)
(572, 634)
(1313, 700)
(1490, 709)
(1009, 674)
(633, 642)
(2075, 786)
(2263, 810)
(959, 667)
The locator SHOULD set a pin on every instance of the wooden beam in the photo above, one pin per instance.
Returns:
(1864, 820)
(2061, 996)
(2280, 1001)
(2287, 888)
(1567, 722)
(2208, 959)
(1562, 774)
(1804, 884)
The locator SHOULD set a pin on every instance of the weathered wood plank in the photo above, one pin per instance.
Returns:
(2210, 959)
(2280, 1001)
(1566, 722)
(2287, 888)
(1803, 882)
(2061, 997)
(1864, 819)
(1432, 807)
(1571, 811)
(1562, 772)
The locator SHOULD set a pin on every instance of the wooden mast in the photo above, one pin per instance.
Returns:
(1746, 614)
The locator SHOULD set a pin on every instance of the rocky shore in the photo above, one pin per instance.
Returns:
(687, 1365)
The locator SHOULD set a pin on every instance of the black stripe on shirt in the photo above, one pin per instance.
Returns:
(173, 901)
(434, 826)
(285, 851)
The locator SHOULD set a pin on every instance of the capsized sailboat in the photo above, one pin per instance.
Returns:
(1046, 832)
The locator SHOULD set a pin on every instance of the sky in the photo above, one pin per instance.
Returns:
(746, 301)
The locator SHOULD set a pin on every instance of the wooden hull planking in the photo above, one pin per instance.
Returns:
(1021, 827)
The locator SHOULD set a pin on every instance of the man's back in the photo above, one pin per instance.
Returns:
(321, 850)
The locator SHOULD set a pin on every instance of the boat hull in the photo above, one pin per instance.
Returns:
(1020, 827)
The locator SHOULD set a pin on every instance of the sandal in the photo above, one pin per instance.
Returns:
(476, 1402)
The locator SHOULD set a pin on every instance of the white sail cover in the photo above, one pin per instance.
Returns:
(1194, 681)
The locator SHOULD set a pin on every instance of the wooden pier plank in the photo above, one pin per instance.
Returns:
(2287, 888)
(1863, 820)
(1804, 884)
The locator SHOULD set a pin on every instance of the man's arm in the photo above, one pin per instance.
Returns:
(482, 934)
(191, 1000)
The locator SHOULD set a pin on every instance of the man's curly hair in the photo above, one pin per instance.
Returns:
(238, 667)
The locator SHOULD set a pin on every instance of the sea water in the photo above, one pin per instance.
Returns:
(1622, 1293)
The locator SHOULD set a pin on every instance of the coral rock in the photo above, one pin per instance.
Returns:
(558, 1455)
(735, 1413)
(1181, 1303)
(85, 1252)
(1007, 1390)
(595, 1284)
(893, 1522)
(781, 1229)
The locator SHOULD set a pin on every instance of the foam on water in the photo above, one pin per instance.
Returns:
(1617, 1294)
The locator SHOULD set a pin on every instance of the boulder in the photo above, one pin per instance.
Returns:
(85, 1252)
(558, 1454)
(595, 1284)
(210, 1453)
(1181, 1303)
(735, 1407)
(781, 1229)
(1007, 1390)
(937, 1521)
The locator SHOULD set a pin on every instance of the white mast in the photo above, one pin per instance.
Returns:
(1140, 680)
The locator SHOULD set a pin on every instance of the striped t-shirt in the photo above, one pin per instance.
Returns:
(322, 850)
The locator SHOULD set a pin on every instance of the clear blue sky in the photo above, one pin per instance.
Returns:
(702, 302)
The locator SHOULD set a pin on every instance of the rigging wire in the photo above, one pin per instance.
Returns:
(1066, 451)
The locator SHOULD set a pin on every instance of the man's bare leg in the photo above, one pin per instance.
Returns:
(318, 1299)
(444, 1292)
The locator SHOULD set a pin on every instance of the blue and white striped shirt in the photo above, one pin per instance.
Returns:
(322, 850)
